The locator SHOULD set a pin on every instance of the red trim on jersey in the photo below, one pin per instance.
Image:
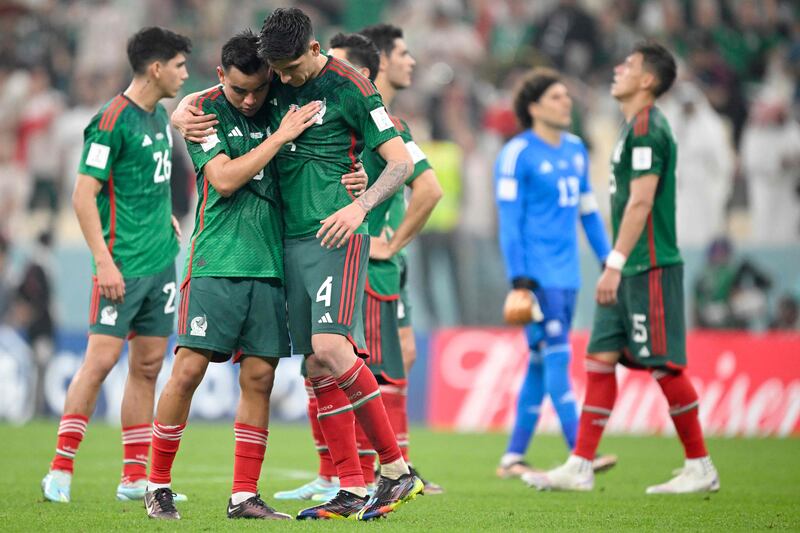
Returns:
(213, 94)
(111, 118)
(188, 277)
(112, 200)
(358, 79)
(95, 301)
(658, 341)
(186, 290)
(364, 354)
(642, 124)
(398, 124)
(399, 382)
(382, 297)
(376, 310)
(354, 276)
(353, 75)
(110, 110)
(651, 239)
(345, 282)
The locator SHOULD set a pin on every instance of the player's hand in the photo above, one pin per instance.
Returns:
(379, 248)
(110, 281)
(607, 286)
(521, 307)
(339, 227)
(176, 227)
(193, 124)
(297, 120)
(356, 181)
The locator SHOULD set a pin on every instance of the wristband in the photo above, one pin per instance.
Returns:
(524, 283)
(615, 260)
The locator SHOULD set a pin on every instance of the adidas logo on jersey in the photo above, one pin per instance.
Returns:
(326, 319)
(147, 141)
(274, 101)
(644, 352)
(235, 132)
(546, 167)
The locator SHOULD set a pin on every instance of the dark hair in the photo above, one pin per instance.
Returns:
(285, 34)
(530, 89)
(383, 35)
(155, 44)
(241, 51)
(660, 62)
(361, 52)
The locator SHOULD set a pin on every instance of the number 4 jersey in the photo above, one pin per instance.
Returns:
(130, 151)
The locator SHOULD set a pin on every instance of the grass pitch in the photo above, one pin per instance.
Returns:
(760, 485)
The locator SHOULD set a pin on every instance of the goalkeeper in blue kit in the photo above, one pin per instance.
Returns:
(542, 189)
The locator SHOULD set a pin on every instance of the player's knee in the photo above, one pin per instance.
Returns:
(257, 379)
(147, 368)
(330, 350)
(96, 369)
(187, 378)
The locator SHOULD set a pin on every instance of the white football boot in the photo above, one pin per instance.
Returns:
(697, 475)
(574, 475)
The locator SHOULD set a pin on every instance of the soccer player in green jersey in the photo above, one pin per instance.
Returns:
(123, 204)
(324, 278)
(639, 321)
(391, 70)
(232, 295)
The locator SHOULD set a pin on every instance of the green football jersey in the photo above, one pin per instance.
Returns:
(130, 151)
(646, 146)
(352, 119)
(241, 235)
(384, 276)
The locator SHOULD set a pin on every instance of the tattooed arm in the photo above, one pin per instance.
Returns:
(338, 227)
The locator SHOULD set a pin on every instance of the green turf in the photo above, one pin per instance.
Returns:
(760, 485)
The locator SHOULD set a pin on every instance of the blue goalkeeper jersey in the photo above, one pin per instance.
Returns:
(541, 192)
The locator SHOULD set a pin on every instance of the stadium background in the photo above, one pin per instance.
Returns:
(734, 111)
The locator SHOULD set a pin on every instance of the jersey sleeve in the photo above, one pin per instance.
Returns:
(101, 147)
(510, 179)
(202, 153)
(367, 115)
(649, 154)
(421, 163)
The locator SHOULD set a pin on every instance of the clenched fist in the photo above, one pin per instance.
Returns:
(521, 307)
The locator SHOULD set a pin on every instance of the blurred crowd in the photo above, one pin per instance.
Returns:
(734, 112)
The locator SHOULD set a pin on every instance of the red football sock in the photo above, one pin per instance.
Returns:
(248, 454)
(361, 389)
(366, 455)
(135, 449)
(327, 469)
(683, 401)
(335, 415)
(71, 430)
(394, 400)
(601, 393)
(166, 440)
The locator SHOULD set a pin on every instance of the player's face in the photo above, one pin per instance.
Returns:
(628, 76)
(400, 65)
(554, 107)
(245, 92)
(171, 75)
(296, 72)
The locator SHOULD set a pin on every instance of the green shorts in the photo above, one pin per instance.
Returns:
(234, 316)
(148, 308)
(324, 290)
(647, 324)
(383, 339)
(404, 305)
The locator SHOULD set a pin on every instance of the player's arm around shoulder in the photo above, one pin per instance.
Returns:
(228, 175)
(194, 123)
